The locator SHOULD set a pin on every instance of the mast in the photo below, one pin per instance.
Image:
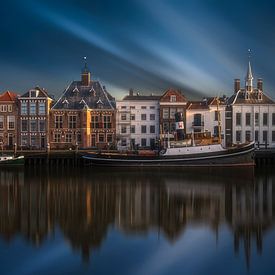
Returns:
(219, 121)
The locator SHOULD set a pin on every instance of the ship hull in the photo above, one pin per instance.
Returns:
(241, 156)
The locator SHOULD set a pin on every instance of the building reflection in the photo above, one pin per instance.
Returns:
(87, 203)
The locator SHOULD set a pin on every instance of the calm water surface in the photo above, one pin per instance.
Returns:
(100, 221)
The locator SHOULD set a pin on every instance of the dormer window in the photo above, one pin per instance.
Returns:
(260, 96)
(246, 95)
(173, 98)
(34, 93)
(65, 103)
(75, 90)
(99, 104)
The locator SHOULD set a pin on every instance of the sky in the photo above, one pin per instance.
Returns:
(197, 46)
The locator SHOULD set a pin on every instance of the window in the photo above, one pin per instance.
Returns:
(72, 121)
(143, 116)
(1, 122)
(143, 142)
(123, 117)
(42, 126)
(172, 113)
(11, 122)
(24, 141)
(165, 127)
(247, 119)
(68, 137)
(24, 125)
(133, 129)
(152, 107)
(132, 107)
(152, 116)
(95, 122)
(217, 115)
(58, 121)
(197, 120)
(152, 129)
(42, 108)
(79, 137)
(256, 135)
(165, 114)
(57, 137)
(173, 98)
(33, 141)
(143, 129)
(247, 136)
(32, 108)
(238, 136)
(107, 122)
(180, 110)
(152, 143)
(123, 107)
(256, 119)
(123, 129)
(133, 142)
(216, 131)
(172, 127)
(133, 117)
(143, 107)
(238, 119)
(101, 138)
(3, 108)
(33, 93)
(265, 136)
(109, 138)
(24, 108)
(10, 108)
(273, 136)
(273, 119)
(33, 127)
(123, 142)
(265, 119)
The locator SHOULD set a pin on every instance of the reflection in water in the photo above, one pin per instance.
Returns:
(85, 204)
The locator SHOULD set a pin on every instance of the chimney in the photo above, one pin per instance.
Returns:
(131, 92)
(237, 85)
(260, 84)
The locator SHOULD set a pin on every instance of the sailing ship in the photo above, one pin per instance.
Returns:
(186, 151)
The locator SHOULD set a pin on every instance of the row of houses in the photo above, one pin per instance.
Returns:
(86, 115)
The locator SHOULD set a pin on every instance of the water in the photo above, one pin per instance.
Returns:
(102, 221)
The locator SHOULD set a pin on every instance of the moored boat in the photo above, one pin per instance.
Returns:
(204, 155)
(11, 160)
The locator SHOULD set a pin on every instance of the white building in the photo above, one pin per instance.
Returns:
(204, 116)
(137, 121)
(252, 113)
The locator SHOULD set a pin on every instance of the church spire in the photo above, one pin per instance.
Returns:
(249, 76)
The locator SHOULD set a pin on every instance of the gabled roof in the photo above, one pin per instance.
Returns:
(8, 96)
(197, 105)
(78, 97)
(239, 98)
(40, 93)
(172, 91)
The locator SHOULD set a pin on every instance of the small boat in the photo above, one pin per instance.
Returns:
(199, 155)
(11, 160)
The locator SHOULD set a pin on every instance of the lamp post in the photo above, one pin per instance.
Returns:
(15, 149)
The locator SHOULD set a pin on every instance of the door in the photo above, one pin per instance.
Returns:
(43, 142)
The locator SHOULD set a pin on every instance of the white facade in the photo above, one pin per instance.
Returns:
(259, 129)
(137, 123)
(209, 120)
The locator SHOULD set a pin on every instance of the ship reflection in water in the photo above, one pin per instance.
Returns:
(137, 222)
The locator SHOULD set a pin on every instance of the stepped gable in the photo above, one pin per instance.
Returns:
(8, 96)
(92, 96)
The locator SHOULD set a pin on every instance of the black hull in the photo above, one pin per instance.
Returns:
(239, 156)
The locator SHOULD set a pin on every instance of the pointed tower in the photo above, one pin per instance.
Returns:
(85, 74)
(249, 76)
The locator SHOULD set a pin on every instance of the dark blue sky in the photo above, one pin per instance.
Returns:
(199, 46)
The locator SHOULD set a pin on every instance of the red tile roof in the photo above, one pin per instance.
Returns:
(8, 96)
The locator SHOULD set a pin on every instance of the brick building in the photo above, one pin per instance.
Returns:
(84, 116)
(8, 119)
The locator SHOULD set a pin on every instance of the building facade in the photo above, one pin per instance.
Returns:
(8, 120)
(137, 121)
(34, 107)
(170, 102)
(84, 116)
(252, 114)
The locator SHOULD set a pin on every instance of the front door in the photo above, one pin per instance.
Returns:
(43, 142)
(10, 140)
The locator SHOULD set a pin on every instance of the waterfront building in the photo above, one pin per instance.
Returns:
(137, 121)
(250, 114)
(8, 120)
(84, 116)
(34, 107)
(170, 102)
(207, 116)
